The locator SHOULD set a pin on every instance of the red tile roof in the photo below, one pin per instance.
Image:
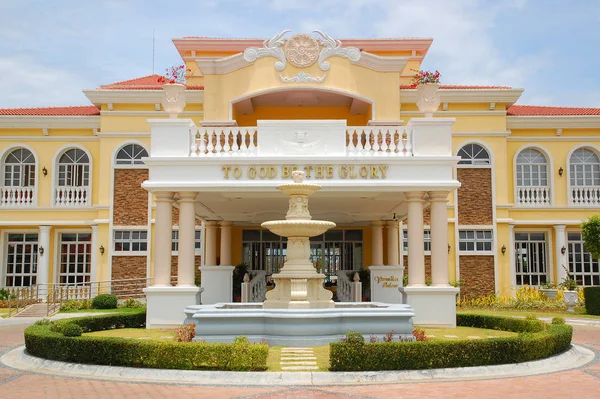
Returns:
(149, 82)
(463, 87)
(85, 110)
(535, 110)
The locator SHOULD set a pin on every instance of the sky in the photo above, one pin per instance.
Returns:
(51, 50)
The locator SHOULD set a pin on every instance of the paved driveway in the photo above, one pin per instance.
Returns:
(580, 383)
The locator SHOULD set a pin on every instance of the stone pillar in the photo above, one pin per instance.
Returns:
(43, 262)
(225, 243)
(377, 244)
(210, 244)
(187, 238)
(392, 243)
(94, 261)
(416, 252)
(163, 237)
(439, 238)
(561, 259)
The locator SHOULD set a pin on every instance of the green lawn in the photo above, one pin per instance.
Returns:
(122, 310)
(3, 312)
(465, 333)
(536, 313)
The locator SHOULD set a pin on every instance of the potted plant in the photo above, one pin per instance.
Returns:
(569, 285)
(549, 289)
(427, 84)
(174, 87)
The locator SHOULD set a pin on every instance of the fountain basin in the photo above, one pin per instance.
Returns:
(223, 322)
(298, 228)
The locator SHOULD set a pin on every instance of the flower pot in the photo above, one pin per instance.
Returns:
(174, 100)
(549, 292)
(570, 299)
(428, 98)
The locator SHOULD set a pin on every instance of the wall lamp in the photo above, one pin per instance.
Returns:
(45, 171)
(448, 248)
(101, 249)
(41, 250)
(503, 249)
(561, 171)
(563, 250)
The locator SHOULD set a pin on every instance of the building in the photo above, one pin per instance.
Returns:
(76, 196)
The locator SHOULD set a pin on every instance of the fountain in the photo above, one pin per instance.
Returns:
(299, 311)
(298, 285)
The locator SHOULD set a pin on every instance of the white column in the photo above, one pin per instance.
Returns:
(163, 237)
(43, 263)
(225, 243)
(377, 244)
(512, 258)
(416, 252)
(94, 261)
(401, 243)
(187, 238)
(560, 231)
(392, 243)
(439, 238)
(210, 244)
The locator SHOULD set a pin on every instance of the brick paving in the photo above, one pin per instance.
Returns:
(581, 383)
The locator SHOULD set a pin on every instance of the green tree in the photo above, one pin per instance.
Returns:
(590, 231)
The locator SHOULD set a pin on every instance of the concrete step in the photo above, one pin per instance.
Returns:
(298, 363)
(299, 358)
(35, 310)
(299, 368)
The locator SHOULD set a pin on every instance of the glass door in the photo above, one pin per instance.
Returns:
(530, 258)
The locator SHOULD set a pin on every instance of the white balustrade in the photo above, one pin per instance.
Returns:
(255, 290)
(344, 287)
(72, 196)
(585, 195)
(218, 141)
(533, 196)
(378, 141)
(17, 197)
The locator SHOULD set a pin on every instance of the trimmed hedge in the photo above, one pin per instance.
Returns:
(105, 301)
(536, 340)
(592, 300)
(41, 341)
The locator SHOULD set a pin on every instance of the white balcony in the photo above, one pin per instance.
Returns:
(17, 197)
(585, 196)
(72, 197)
(537, 196)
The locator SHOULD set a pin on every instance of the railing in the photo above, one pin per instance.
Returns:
(378, 141)
(243, 141)
(21, 197)
(533, 196)
(254, 290)
(20, 297)
(583, 195)
(72, 196)
(348, 290)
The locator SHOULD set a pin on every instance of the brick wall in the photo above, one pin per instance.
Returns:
(475, 196)
(427, 266)
(477, 273)
(128, 267)
(175, 263)
(130, 199)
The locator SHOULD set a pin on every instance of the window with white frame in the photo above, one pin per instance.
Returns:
(426, 240)
(473, 154)
(584, 171)
(131, 154)
(130, 241)
(475, 240)
(175, 241)
(533, 187)
(19, 168)
(74, 168)
(582, 267)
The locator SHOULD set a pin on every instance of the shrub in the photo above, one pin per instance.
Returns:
(538, 340)
(73, 304)
(105, 301)
(71, 330)
(419, 334)
(4, 294)
(592, 300)
(590, 232)
(530, 317)
(185, 333)
(43, 322)
(42, 342)
(558, 320)
(131, 303)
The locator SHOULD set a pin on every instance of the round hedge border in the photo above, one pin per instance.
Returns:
(44, 340)
(536, 340)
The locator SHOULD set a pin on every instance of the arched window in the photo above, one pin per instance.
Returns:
(473, 154)
(19, 169)
(584, 170)
(74, 169)
(532, 178)
(131, 154)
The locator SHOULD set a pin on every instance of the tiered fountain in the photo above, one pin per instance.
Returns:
(299, 311)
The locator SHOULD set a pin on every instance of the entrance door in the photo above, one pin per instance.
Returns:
(530, 258)
(21, 260)
(75, 258)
